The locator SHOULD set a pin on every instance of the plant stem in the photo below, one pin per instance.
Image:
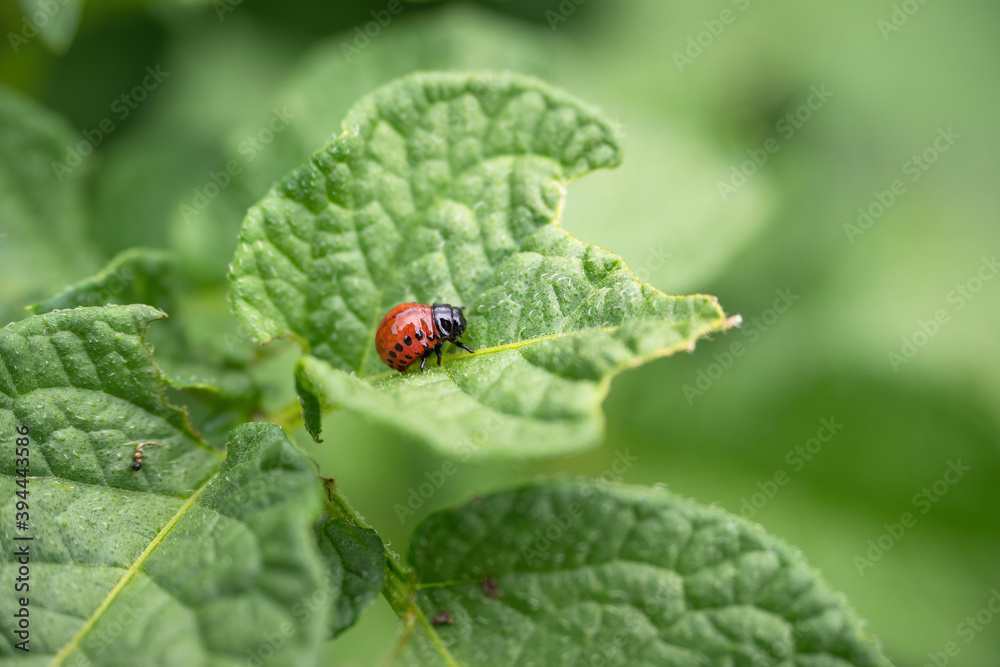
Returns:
(400, 584)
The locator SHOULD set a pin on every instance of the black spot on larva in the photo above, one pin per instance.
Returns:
(392, 354)
(425, 345)
(399, 348)
(430, 336)
(409, 357)
(418, 335)
(407, 340)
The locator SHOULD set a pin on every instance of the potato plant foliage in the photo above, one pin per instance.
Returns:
(229, 547)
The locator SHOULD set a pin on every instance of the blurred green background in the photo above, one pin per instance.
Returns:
(694, 87)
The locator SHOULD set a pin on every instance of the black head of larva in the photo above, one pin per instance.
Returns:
(449, 320)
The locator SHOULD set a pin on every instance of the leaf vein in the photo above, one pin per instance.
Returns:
(132, 570)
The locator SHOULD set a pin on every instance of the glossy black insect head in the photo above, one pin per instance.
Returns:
(449, 320)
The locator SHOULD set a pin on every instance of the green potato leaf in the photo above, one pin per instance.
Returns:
(220, 392)
(679, 233)
(318, 91)
(137, 275)
(580, 573)
(355, 561)
(189, 560)
(448, 188)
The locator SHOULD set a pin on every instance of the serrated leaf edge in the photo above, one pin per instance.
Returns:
(267, 328)
(635, 491)
(108, 270)
(305, 382)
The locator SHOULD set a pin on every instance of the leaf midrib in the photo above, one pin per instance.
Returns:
(563, 182)
(379, 307)
(541, 339)
(132, 570)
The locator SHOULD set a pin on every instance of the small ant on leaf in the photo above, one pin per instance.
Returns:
(442, 618)
(138, 456)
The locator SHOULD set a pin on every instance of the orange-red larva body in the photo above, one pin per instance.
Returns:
(413, 331)
(396, 339)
